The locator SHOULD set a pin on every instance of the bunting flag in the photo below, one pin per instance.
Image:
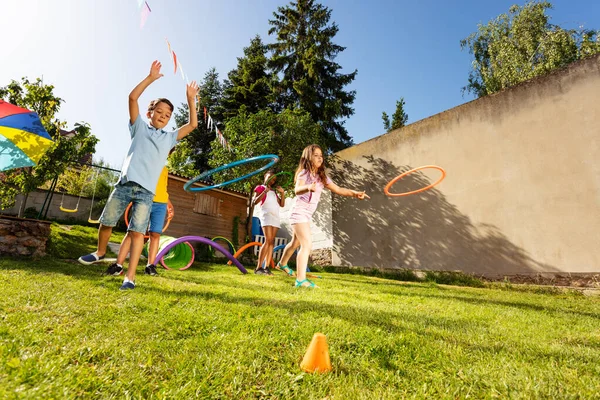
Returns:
(209, 123)
(204, 114)
(174, 62)
(145, 12)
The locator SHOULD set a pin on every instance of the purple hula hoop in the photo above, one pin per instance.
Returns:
(204, 240)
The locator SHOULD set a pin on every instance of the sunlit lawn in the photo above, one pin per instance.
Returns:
(211, 332)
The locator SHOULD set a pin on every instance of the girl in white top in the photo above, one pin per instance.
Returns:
(268, 214)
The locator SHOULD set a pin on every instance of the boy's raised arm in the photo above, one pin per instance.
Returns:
(134, 109)
(191, 90)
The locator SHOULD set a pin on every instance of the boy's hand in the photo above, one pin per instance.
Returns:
(280, 190)
(155, 70)
(191, 90)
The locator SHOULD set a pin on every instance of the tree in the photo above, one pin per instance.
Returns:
(192, 154)
(285, 134)
(521, 45)
(304, 55)
(64, 152)
(386, 122)
(399, 118)
(249, 84)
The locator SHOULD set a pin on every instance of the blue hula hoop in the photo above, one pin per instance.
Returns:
(187, 187)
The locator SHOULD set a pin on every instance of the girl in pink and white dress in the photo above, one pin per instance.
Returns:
(268, 214)
(310, 180)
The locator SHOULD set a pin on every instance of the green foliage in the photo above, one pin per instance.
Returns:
(265, 132)
(386, 122)
(65, 152)
(521, 45)
(399, 118)
(304, 55)
(30, 212)
(249, 84)
(192, 154)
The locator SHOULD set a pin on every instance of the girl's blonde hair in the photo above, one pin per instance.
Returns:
(306, 163)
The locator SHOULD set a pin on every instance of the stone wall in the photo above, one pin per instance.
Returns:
(23, 237)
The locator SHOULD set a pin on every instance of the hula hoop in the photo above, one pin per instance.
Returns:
(162, 260)
(287, 182)
(244, 247)
(145, 236)
(187, 187)
(387, 187)
(231, 246)
(204, 240)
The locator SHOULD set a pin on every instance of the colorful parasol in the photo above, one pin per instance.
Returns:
(23, 139)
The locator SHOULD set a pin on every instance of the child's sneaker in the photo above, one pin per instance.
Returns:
(260, 271)
(127, 285)
(114, 269)
(90, 258)
(151, 270)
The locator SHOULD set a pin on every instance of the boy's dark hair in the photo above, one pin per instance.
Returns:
(154, 103)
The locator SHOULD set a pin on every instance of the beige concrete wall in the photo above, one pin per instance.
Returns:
(522, 192)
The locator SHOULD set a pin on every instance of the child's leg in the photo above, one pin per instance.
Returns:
(124, 249)
(289, 249)
(157, 221)
(104, 233)
(114, 208)
(142, 206)
(137, 244)
(153, 247)
(262, 253)
(270, 233)
(302, 232)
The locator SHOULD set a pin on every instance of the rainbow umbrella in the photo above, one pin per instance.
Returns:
(23, 139)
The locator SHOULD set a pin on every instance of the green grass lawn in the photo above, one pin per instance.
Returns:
(211, 332)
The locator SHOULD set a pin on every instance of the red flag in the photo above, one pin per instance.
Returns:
(205, 112)
(175, 61)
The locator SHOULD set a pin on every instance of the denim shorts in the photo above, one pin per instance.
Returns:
(157, 217)
(119, 199)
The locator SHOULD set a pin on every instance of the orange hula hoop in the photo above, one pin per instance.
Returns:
(387, 187)
(145, 236)
(244, 247)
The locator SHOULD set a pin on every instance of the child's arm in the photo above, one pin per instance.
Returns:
(191, 90)
(259, 197)
(302, 187)
(281, 197)
(134, 109)
(346, 192)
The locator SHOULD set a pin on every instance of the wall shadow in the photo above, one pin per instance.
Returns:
(421, 231)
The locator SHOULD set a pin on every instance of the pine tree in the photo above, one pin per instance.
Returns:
(249, 84)
(399, 118)
(304, 55)
(192, 155)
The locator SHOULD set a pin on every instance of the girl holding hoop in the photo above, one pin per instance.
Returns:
(310, 180)
(269, 218)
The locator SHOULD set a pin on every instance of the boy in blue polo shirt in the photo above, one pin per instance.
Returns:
(150, 146)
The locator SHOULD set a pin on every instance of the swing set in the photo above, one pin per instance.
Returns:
(74, 210)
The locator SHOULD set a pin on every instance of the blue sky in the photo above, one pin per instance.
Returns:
(94, 52)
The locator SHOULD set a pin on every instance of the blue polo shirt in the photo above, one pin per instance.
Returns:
(147, 154)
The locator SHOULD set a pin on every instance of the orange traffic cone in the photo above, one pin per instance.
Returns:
(316, 358)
